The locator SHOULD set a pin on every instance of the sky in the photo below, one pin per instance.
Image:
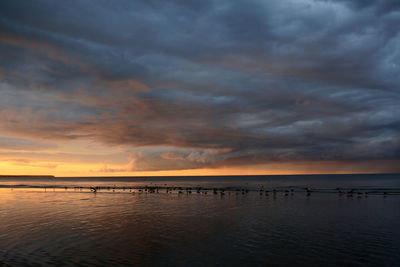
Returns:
(189, 87)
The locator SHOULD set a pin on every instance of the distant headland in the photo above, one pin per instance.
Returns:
(27, 176)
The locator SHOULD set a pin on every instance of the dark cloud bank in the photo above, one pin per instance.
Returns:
(192, 84)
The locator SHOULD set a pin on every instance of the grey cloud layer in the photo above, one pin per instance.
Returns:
(216, 83)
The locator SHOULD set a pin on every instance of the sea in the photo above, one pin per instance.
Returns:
(290, 220)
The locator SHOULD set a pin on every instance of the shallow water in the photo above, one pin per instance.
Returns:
(58, 227)
(364, 181)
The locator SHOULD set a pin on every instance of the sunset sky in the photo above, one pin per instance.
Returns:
(199, 87)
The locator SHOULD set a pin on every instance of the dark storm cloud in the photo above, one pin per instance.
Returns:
(192, 84)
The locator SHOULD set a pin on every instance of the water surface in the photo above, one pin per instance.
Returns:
(59, 227)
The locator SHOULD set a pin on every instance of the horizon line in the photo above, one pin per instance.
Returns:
(224, 175)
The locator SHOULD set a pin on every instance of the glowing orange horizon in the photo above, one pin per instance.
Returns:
(281, 168)
(87, 158)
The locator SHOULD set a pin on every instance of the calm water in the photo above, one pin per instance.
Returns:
(75, 227)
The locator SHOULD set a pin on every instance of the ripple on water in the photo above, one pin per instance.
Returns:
(163, 229)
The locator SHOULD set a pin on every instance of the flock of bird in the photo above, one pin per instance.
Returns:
(237, 191)
(180, 190)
